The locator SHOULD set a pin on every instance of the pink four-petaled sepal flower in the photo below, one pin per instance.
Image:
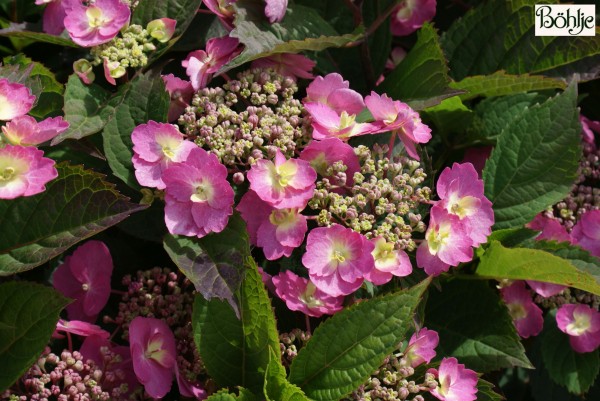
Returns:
(421, 347)
(287, 64)
(80, 328)
(198, 198)
(223, 9)
(188, 389)
(337, 259)
(277, 231)
(455, 382)
(181, 93)
(200, 65)
(15, 100)
(97, 23)
(327, 123)
(398, 117)
(526, 315)
(85, 277)
(461, 194)
(389, 262)
(282, 183)
(586, 232)
(54, 16)
(26, 131)
(301, 295)
(447, 243)
(550, 229)
(154, 354)
(24, 171)
(162, 29)
(323, 154)
(332, 91)
(156, 146)
(410, 15)
(582, 324)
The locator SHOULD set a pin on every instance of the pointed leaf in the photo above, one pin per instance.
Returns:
(25, 31)
(28, 316)
(277, 387)
(344, 350)
(75, 206)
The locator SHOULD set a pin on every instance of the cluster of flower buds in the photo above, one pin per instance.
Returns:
(290, 343)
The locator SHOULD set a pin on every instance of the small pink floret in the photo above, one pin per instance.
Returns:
(81, 328)
(323, 154)
(54, 16)
(550, 229)
(526, 315)
(287, 64)
(26, 131)
(275, 10)
(421, 347)
(455, 382)
(410, 15)
(332, 91)
(181, 93)
(586, 232)
(200, 65)
(327, 123)
(582, 324)
(15, 100)
(95, 24)
(24, 171)
(388, 262)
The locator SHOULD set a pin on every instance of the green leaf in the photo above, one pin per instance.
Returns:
(344, 350)
(182, 11)
(451, 115)
(532, 264)
(535, 161)
(500, 35)
(277, 387)
(575, 371)
(23, 31)
(75, 206)
(479, 331)
(215, 270)
(224, 395)
(144, 99)
(511, 237)
(485, 391)
(301, 29)
(84, 109)
(28, 316)
(578, 257)
(236, 352)
(500, 84)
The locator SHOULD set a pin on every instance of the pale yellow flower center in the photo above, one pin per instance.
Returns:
(95, 17)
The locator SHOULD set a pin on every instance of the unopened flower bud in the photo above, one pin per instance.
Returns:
(162, 29)
(83, 69)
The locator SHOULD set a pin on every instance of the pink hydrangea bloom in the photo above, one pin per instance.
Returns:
(188, 389)
(223, 9)
(323, 154)
(410, 15)
(589, 127)
(447, 243)
(154, 354)
(526, 315)
(54, 16)
(84, 70)
(97, 23)
(181, 93)
(287, 64)
(15, 100)
(582, 324)
(275, 10)
(85, 277)
(332, 91)
(327, 123)
(455, 382)
(199, 200)
(81, 328)
(388, 262)
(545, 289)
(421, 347)
(26, 131)
(337, 259)
(550, 229)
(201, 64)
(24, 171)
(396, 56)
(461, 194)
(301, 295)
(113, 70)
(586, 232)
(156, 146)
(478, 157)
(277, 231)
(284, 184)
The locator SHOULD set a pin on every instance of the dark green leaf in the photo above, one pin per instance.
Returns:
(277, 387)
(75, 206)
(28, 316)
(474, 326)
(485, 391)
(535, 161)
(344, 351)
(23, 31)
(182, 11)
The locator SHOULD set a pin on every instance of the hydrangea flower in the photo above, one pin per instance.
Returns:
(396, 56)
(201, 64)
(54, 16)
(95, 23)
(421, 347)
(332, 91)
(410, 15)
(582, 324)
(85, 277)
(586, 232)
(589, 127)
(526, 315)
(455, 382)
(398, 117)
(287, 64)
(282, 183)
(337, 259)
(80, 328)
(301, 295)
(275, 10)
(447, 243)
(181, 93)
(223, 9)
(388, 262)
(24, 171)
(15, 100)
(161, 29)
(327, 123)
(26, 131)
(153, 353)
(550, 229)
(277, 231)
(323, 154)
(198, 198)
(84, 70)
(156, 146)
(478, 156)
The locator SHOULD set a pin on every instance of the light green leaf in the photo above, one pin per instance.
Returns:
(224, 395)
(277, 387)
(28, 316)
(451, 115)
(236, 352)
(535, 161)
(479, 331)
(144, 99)
(23, 31)
(75, 206)
(344, 350)
(182, 11)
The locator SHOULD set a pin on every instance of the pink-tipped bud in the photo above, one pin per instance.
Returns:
(83, 69)
(162, 29)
